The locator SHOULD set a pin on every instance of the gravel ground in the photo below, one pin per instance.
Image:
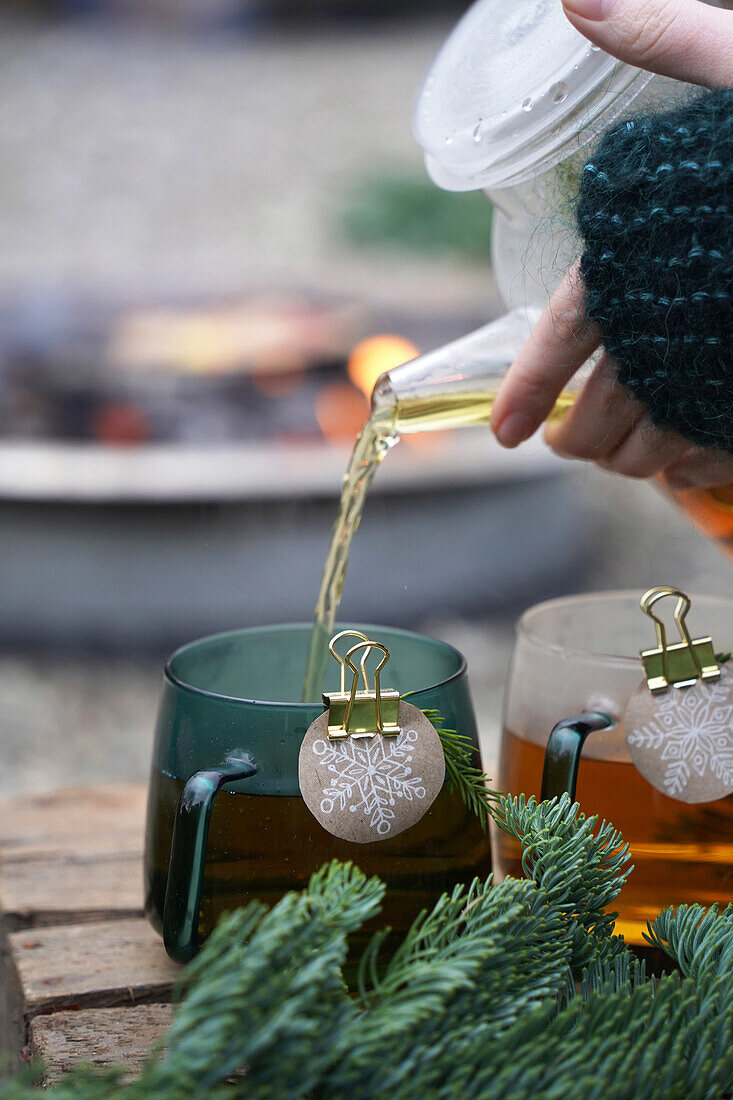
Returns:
(151, 163)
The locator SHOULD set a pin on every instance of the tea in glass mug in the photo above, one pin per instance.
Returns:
(226, 822)
(580, 654)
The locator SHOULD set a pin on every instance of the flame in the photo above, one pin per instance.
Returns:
(341, 412)
(376, 355)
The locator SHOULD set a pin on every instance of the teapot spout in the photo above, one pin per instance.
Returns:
(454, 385)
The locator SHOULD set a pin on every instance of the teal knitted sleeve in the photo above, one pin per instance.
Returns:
(655, 211)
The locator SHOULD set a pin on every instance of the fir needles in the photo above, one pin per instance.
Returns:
(462, 775)
(481, 1000)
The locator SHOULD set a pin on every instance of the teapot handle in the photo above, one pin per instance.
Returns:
(562, 755)
(188, 853)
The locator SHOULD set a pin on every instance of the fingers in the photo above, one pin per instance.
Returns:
(646, 451)
(700, 469)
(686, 39)
(559, 344)
(609, 426)
(602, 418)
(606, 425)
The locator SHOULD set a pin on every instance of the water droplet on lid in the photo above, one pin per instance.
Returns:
(558, 92)
(477, 131)
(449, 141)
(527, 105)
(594, 48)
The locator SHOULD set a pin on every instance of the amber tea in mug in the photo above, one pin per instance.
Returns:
(230, 721)
(581, 654)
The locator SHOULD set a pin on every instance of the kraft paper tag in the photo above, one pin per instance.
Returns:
(682, 741)
(371, 788)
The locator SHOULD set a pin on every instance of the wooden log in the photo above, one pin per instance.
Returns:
(12, 1036)
(71, 879)
(76, 822)
(100, 1036)
(42, 892)
(119, 962)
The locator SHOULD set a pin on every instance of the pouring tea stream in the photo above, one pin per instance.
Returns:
(454, 386)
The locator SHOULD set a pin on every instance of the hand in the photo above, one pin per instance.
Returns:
(685, 39)
(691, 41)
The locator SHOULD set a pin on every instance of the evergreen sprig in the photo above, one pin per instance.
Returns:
(578, 864)
(462, 774)
(482, 998)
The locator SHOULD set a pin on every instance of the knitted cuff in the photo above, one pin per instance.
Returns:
(656, 213)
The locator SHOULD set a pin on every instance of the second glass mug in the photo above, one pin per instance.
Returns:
(580, 654)
(226, 823)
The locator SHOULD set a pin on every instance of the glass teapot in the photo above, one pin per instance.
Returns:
(511, 106)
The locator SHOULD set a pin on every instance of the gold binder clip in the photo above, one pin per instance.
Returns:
(683, 663)
(361, 713)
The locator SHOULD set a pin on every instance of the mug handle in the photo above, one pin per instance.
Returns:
(188, 853)
(562, 755)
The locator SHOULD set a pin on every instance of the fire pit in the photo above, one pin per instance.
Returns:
(172, 471)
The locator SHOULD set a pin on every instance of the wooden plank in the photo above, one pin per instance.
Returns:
(119, 962)
(73, 822)
(45, 892)
(12, 1031)
(100, 1036)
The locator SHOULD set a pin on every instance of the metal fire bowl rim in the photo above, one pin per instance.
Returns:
(180, 474)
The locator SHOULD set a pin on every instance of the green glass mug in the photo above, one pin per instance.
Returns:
(226, 823)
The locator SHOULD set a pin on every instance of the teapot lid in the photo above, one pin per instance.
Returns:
(515, 89)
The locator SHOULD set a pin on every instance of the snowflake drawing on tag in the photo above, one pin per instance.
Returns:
(367, 789)
(687, 741)
(369, 776)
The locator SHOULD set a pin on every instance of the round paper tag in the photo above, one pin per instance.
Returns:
(682, 741)
(364, 789)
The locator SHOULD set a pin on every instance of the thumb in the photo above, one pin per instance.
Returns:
(686, 39)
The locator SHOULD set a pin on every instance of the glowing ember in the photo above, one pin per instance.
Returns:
(376, 355)
(341, 412)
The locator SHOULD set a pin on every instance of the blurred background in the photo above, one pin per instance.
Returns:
(206, 208)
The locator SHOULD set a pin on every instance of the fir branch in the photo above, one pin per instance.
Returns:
(722, 658)
(699, 940)
(264, 985)
(476, 1001)
(621, 971)
(84, 1083)
(606, 1049)
(462, 775)
(451, 981)
(578, 866)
